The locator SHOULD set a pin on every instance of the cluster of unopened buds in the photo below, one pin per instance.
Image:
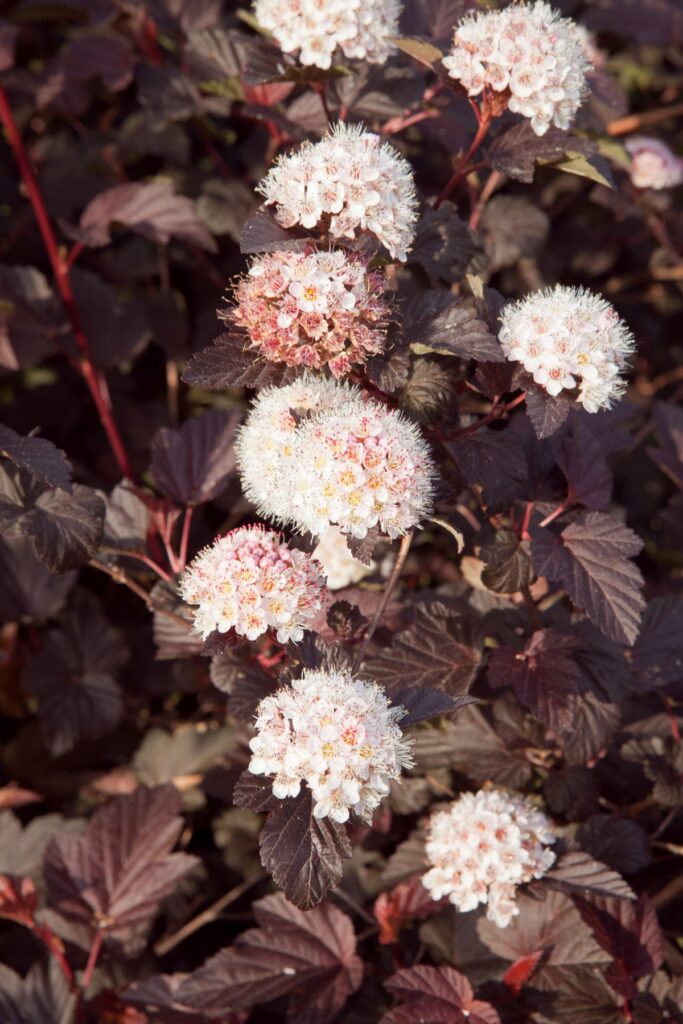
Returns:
(250, 581)
(314, 309)
(527, 52)
(337, 735)
(358, 29)
(482, 847)
(347, 184)
(569, 338)
(653, 165)
(317, 453)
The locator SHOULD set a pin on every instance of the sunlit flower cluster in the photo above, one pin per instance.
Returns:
(528, 51)
(339, 565)
(348, 461)
(653, 165)
(569, 338)
(358, 28)
(251, 581)
(312, 309)
(482, 847)
(338, 735)
(347, 183)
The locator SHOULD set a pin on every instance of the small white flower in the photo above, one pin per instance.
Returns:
(569, 337)
(351, 462)
(350, 179)
(334, 733)
(530, 50)
(653, 165)
(361, 29)
(482, 847)
(339, 565)
(251, 581)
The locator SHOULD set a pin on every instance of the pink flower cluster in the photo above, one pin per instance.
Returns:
(321, 308)
(653, 165)
(250, 581)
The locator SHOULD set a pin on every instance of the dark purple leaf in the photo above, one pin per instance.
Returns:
(345, 619)
(577, 873)
(428, 394)
(444, 245)
(657, 655)
(409, 858)
(168, 95)
(363, 549)
(440, 322)
(27, 588)
(303, 854)
(42, 997)
(73, 677)
(262, 233)
(193, 464)
(245, 682)
(517, 150)
(117, 331)
(544, 675)
(440, 995)
(255, 792)
(65, 529)
(40, 457)
(229, 364)
(512, 228)
(592, 730)
(157, 995)
(507, 565)
(546, 412)
(442, 650)
(629, 932)
(618, 842)
(669, 456)
(646, 21)
(32, 319)
(116, 874)
(421, 703)
(580, 456)
(434, 19)
(590, 559)
(153, 210)
(310, 956)
(572, 792)
(495, 460)
(216, 53)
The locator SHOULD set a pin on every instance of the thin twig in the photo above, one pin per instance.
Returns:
(119, 576)
(185, 537)
(165, 945)
(95, 950)
(463, 168)
(631, 123)
(384, 601)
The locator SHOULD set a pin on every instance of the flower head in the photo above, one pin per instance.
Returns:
(338, 735)
(251, 581)
(353, 182)
(316, 453)
(361, 29)
(566, 338)
(312, 309)
(339, 565)
(653, 165)
(528, 51)
(482, 847)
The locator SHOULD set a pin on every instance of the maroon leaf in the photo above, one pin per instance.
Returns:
(310, 956)
(507, 565)
(442, 322)
(153, 210)
(423, 703)
(304, 854)
(441, 651)
(516, 151)
(590, 560)
(669, 456)
(40, 457)
(18, 899)
(512, 227)
(116, 874)
(622, 844)
(657, 655)
(495, 460)
(27, 587)
(546, 412)
(363, 548)
(228, 364)
(32, 319)
(593, 727)
(629, 932)
(65, 529)
(192, 465)
(73, 677)
(444, 245)
(107, 57)
(244, 680)
(647, 21)
(255, 792)
(43, 996)
(436, 994)
(158, 996)
(544, 675)
(577, 872)
(262, 233)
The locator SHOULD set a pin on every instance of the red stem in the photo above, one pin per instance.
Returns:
(556, 514)
(496, 412)
(524, 531)
(54, 945)
(94, 380)
(462, 168)
(92, 960)
(185, 536)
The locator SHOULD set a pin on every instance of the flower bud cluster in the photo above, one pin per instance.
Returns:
(528, 51)
(347, 183)
(336, 734)
(653, 165)
(349, 461)
(315, 309)
(566, 338)
(482, 847)
(250, 581)
(361, 29)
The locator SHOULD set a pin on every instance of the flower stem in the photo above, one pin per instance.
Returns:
(384, 601)
(60, 268)
(95, 950)
(462, 168)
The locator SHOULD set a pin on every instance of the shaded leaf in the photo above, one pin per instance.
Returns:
(516, 150)
(193, 464)
(65, 529)
(629, 933)
(592, 729)
(590, 559)
(512, 227)
(42, 997)
(40, 457)
(422, 703)
(262, 233)
(32, 319)
(580, 456)
(546, 412)
(436, 321)
(444, 245)
(436, 994)
(408, 901)
(27, 588)
(543, 674)
(507, 565)
(669, 456)
(577, 872)
(619, 842)
(496, 461)
(228, 364)
(657, 655)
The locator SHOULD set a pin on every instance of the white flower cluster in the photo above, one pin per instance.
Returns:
(348, 182)
(566, 338)
(361, 29)
(316, 453)
(336, 734)
(339, 565)
(531, 52)
(482, 847)
(312, 309)
(653, 165)
(251, 581)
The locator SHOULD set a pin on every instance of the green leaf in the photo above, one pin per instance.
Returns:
(419, 50)
(583, 167)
